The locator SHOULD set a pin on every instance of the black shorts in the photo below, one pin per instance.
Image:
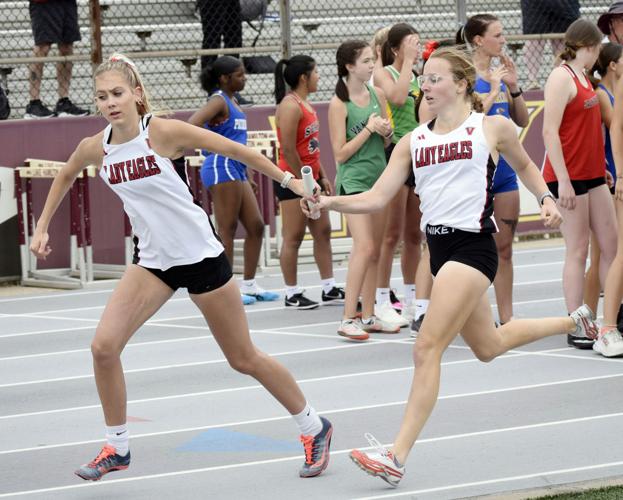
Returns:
(284, 194)
(411, 179)
(580, 187)
(54, 21)
(205, 276)
(476, 250)
(548, 16)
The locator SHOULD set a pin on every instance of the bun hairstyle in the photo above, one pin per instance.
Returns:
(395, 36)
(347, 53)
(288, 73)
(123, 64)
(581, 33)
(610, 52)
(475, 26)
(462, 68)
(211, 73)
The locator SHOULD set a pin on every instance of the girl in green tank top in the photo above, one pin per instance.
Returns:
(359, 133)
(400, 54)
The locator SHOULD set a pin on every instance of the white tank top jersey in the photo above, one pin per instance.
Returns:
(169, 228)
(453, 176)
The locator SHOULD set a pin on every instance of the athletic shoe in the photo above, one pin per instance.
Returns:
(586, 330)
(107, 461)
(408, 312)
(299, 301)
(396, 304)
(334, 296)
(377, 325)
(381, 463)
(317, 450)
(36, 109)
(351, 329)
(416, 324)
(386, 313)
(263, 295)
(247, 300)
(64, 107)
(610, 344)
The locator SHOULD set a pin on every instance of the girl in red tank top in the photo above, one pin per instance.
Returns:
(575, 164)
(298, 132)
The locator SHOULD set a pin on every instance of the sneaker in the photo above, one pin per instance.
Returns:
(247, 300)
(351, 329)
(408, 312)
(586, 330)
(387, 314)
(36, 109)
(263, 295)
(334, 296)
(610, 344)
(299, 301)
(377, 325)
(416, 324)
(64, 107)
(317, 450)
(381, 463)
(396, 304)
(107, 461)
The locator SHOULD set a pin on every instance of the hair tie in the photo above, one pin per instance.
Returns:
(122, 59)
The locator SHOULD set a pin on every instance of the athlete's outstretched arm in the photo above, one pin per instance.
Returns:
(616, 136)
(170, 138)
(88, 152)
(384, 189)
(507, 143)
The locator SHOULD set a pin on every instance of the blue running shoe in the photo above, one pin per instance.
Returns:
(317, 450)
(107, 461)
(263, 295)
(247, 300)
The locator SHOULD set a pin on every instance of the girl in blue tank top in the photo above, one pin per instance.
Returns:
(230, 188)
(500, 93)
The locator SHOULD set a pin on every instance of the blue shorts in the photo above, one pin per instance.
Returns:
(217, 169)
(504, 179)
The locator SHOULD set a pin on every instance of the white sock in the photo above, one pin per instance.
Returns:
(292, 290)
(409, 292)
(382, 295)
(327, 285)
(421, 305)
(119, 437)
(248, 286)
(308, 421)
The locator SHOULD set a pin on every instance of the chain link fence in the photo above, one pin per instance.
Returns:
(166, 38)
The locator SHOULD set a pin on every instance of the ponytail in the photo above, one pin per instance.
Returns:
(288, 74)
(280, 83)
(347, 53)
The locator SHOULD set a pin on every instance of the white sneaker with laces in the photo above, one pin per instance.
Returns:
(387, 314)
(610, 344)
(376, 325)
(351, 329)
(380, 463)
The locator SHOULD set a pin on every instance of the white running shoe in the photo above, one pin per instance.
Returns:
(388, 315)
(351, 329)
(408, 312)
(381, 463)
(586, 330)
(610, 344)
(376, 325)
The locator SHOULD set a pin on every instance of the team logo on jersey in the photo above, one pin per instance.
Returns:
(312, 147)
(130, 170)
(312, 129)
(240, 124)
(442, 153)
(469, 130)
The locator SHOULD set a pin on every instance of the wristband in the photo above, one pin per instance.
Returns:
(546, 194)
(515, 95)
(286, 180)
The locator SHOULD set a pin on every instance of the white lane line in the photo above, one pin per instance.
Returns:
(43, 332)
(324, 412)
(540, 474)
(345, 451)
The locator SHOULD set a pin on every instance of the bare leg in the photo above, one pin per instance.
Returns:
(292, 231)
(227, 200)
(613, 292)
(592, 288)
(423, 276)
(137, 297)
(63, 70)
(411, 239)
(320, 230)
(506, 212)
(254, 225)
(36, 71)
(393, 231)
(603, 223)
(225, 315)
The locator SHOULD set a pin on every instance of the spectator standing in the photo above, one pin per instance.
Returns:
(221, 20)
(611, 23)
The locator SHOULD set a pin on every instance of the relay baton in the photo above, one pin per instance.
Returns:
(308, 186)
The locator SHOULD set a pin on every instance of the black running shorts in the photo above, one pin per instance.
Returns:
(476, 250)
(579, 187)
(205, 276)
(54, 21)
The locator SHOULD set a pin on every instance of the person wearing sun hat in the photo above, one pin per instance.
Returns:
(611, 23)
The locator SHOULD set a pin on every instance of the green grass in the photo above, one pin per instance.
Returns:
(611, 493)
